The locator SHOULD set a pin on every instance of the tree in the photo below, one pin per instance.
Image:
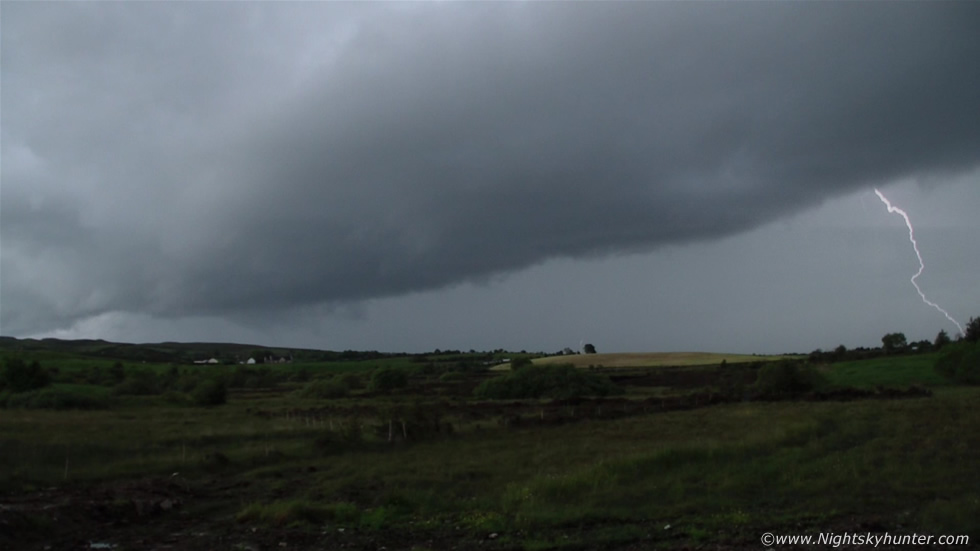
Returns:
(589, 349)
(17, 376)
(894, 342)
(972, 333)
(960, 362)
(942, 339)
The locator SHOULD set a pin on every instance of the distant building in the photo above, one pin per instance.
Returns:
(250, 361)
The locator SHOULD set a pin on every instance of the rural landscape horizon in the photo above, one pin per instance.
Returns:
(205, 445)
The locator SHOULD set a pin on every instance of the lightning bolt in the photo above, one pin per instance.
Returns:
(922, 266)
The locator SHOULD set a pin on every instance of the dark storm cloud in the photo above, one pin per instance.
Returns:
(198, 159)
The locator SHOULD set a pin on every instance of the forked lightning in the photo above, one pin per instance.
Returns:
(922, 266)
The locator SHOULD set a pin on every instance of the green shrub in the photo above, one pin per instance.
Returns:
(960, 362)
(60, 398)
(187, 382)
(116, 374)
(553, 381)
(301, 375)
(211, 392)
(787, 378)
(388, 379)
(252, 377)
(324, 389)
(452, 376)
(139, 383)
(352, 381)
(17, 376)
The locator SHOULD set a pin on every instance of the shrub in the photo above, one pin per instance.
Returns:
(960, 362)
(211, 392)
(252, 377)
(324, 389)
(301, 375)
(187, 382)
(139, 383)
(17, 376)
(787, 378)
(352, 381)
(388, 379)
(553, 381)
(60, 398)
(452, 376)
(117, 373)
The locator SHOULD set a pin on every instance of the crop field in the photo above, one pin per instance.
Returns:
(706, 461)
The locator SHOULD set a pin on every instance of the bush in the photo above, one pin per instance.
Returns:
(388, 379)
(960, 362)
(211, 392)
(787, 378)
(59, 398)
(139, 383)
(553, 381)
(452, 376)
(352, 381)
(253, 377)
(324, 389)
(17, 376)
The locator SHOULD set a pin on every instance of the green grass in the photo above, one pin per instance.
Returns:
(141, 436)
(892, 371)
(705, 470)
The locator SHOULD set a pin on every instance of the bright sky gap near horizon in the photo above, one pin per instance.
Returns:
(655, 176)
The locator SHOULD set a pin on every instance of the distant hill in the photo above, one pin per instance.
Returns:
(177, 352)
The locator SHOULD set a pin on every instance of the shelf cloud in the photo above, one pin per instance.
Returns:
(222, 159)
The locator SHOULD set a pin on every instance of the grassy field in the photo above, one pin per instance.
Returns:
(894, 371)
(384, 469)
(653, 359)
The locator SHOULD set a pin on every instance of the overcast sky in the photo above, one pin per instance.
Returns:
(644, 176)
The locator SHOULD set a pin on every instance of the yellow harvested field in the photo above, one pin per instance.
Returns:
(648, 359)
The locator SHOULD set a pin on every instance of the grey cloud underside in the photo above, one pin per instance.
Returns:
(449, 143)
